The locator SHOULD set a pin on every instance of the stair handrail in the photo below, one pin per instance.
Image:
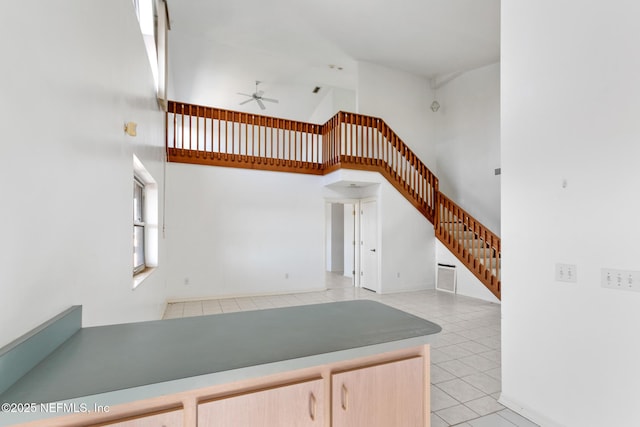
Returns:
(373, 145)
(470, 241)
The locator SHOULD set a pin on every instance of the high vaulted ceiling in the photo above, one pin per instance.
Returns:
(219, 48)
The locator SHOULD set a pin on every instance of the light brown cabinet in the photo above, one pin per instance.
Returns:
(390, 394)
(300, 405)
(380, 390)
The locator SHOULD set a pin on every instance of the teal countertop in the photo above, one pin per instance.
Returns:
(137, 357)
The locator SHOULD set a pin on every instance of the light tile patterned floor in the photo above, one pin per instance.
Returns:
(465, 360)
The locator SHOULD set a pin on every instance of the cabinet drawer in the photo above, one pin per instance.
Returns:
(300, 404)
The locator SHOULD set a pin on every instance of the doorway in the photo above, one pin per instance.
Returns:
(352, 252)
(340, 244)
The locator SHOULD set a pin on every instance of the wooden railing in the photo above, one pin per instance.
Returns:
(213, 136)
(355, 141)
(470, 241)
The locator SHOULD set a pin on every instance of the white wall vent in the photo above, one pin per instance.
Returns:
(446, 278)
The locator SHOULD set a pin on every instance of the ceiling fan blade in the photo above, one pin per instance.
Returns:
(244, 102)
(270, 100)
(262, 107)
(244, 94)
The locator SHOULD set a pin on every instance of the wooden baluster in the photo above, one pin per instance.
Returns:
(484, 253)
(298, 134)
(362, 154)
(197, 131)
(277, 141)
(314, 144)
(456, 230)
(290, 145)
(236, 152)
(215, 143)
(272, 156)
(207, 113)
(354, 139)
(375, 137)
(253, 139)
(310, 144)
(245, 157)
(190, 147)
(405, 167)
(226, 134)
(183, 131)
(175, 130)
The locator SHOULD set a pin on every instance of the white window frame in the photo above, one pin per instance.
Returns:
(153, 17)
(150, 210)
(139, 246)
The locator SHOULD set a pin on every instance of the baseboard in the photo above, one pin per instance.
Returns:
(243, 295)
(525, 411)
(418, 288)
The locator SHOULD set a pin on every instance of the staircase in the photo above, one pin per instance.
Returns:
(212, 136)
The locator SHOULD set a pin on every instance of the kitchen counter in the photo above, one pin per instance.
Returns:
(121, 363)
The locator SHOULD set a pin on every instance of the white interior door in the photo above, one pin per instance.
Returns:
(369, 245)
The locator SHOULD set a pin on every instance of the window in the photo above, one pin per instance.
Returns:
(153, 17)
(145, 223)
(139, 263)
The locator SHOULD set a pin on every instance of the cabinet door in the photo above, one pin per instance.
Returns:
(164, 419)
(391, 394)
(292, 405)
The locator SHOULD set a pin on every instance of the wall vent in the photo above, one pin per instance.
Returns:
(446, 278)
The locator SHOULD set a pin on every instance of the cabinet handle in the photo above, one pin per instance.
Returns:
(312, 406)
(344, 397)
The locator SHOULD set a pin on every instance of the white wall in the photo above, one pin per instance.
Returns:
(74, 72)
(407, 244)
(333, 100)
(570, 103)
(237, 232)
(402, 100)
(468, 142)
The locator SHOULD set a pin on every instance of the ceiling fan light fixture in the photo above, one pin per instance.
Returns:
(257, 96)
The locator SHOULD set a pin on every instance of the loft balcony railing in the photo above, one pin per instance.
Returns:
(213, 136)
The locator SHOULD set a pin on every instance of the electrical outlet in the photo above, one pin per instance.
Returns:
(627, 280)
(566, 273)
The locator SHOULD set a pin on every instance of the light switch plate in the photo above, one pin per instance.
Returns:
(566, 273)
(627, 280)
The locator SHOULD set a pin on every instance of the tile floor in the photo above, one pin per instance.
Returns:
(465, 360)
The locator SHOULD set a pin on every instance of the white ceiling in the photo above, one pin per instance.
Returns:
(218, 48)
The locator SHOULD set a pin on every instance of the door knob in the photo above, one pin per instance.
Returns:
(372, 250)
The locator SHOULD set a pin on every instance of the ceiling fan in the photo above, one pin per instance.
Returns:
(257, 96)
